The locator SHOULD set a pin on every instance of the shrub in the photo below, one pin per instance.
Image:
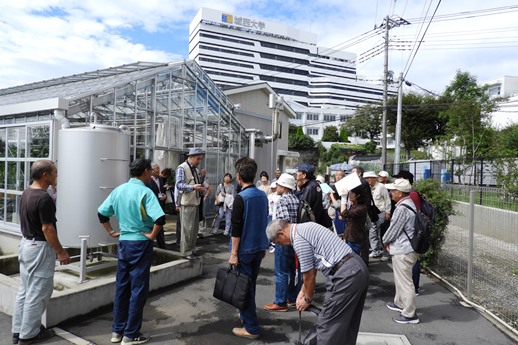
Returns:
(443, 204)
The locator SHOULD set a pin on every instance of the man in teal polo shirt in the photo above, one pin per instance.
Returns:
(140, 220)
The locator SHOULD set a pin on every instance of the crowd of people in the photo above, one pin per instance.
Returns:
(349, 228)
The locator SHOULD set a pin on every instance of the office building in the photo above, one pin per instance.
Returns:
(319, 84)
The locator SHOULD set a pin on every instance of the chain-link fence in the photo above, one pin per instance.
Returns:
(480, 253)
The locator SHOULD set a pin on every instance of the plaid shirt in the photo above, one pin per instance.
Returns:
(180, 181)
(287, 207)
(402, 221)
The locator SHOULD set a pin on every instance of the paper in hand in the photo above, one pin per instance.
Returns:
(349, 182)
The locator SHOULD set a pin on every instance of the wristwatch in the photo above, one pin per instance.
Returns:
(307, 299)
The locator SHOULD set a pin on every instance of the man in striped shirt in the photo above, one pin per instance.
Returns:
(287, 286)
(317, 248)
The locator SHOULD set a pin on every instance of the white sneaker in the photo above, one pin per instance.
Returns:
(226, 233)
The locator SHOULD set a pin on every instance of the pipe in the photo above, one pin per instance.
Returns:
(275, 127)
(275, 103)
(252, 132)
(59, 115)
(500, 323)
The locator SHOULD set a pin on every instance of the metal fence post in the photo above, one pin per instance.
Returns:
(470, 242)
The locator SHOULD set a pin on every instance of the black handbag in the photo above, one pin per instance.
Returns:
(232, 287)
(373, 212)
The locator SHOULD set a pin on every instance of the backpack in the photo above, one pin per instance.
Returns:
(422, 230)
(305, 213)
(427, 209)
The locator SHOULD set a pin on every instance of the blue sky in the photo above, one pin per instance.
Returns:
(43, 39)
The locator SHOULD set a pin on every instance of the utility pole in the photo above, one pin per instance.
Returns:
(385, 98)
(389, 24)
(397, 149)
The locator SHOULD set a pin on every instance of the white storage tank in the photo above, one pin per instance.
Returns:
(91, 162)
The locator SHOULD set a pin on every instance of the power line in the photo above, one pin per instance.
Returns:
(407, 67)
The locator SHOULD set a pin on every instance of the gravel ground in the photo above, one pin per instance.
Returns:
(495, 264)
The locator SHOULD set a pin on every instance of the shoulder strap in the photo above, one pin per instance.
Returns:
(411, 209)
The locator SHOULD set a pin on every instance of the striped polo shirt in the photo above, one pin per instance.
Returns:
(317, 247)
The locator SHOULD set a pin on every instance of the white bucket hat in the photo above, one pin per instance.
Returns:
(286, 180)
(401, 185)
(369, 174)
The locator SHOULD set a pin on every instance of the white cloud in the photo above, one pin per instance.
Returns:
(42, 39)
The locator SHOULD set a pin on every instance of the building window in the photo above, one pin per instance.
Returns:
(280, 130)
(311, 131)
(298, 116)
(20, 146)
(312, 117)
(329, 118)
(344, 118)
(494, 91)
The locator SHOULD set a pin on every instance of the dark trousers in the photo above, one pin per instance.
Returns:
(132, 286)
(339, 320)
(249, 264)
(160, 240)
(178, 228)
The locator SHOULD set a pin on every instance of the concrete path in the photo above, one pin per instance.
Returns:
(188, 314)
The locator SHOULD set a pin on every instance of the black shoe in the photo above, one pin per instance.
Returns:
(190, 257)
(16, 338)
(198, 254)
(42, 336)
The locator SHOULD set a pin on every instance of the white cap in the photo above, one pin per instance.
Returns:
(273, 185)
(286, 180)
(369, 174)
(321, 179)
(383, 173)
(400, 184)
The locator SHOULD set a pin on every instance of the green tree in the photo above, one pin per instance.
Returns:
(300, 141)
(506, 148)
(370, 147)
(507, 140)
(420, 120)
(343, 137)
(468, 115)
(330, 134)
(366, 122)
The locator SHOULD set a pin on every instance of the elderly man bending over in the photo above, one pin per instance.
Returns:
(347, 278)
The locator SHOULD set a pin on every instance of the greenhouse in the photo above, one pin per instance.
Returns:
(164, 108)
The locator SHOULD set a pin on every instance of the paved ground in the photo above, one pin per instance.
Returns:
(188, 314)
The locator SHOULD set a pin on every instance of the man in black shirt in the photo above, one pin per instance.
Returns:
(37, 255)
(310, 191)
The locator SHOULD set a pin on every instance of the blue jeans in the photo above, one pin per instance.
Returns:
(132, 286)
(249, 264)
(228, 218)
(286, 289)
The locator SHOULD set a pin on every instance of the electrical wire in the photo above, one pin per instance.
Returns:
(409, 64)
